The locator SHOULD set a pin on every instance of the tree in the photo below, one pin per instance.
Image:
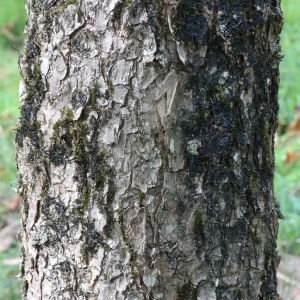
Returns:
(145, 149)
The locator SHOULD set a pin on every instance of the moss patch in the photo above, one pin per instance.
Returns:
(187, 291)
(93, 239)
(94, 93)
(69, 140)
(189, 22)
(198, 224)
(28, 125)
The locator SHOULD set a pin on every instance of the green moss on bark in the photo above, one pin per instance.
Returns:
(198, 224)
(187, 291)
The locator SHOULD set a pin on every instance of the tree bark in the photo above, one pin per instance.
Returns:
(145, 149)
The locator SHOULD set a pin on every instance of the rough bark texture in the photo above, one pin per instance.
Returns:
(145, 149)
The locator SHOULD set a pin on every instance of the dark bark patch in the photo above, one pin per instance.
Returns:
(28, 125)
(109, 226)
(94, 93)
(198, 224)
(93, 239)
(83, 43)
(99, 169)
(187, 291)
(79, 99)
(65, 267)
(57, 155)
(224, 292)
(190, 23)
(52, 209)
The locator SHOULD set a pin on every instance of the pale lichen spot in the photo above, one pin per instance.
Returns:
(192, 147)
(235, 156)
(172, 146)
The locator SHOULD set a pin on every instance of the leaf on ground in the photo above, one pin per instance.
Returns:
(291, 156)
(295, 125)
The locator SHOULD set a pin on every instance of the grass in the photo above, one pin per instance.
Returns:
(12, 20)
(289, 93)
(287, 183)
(9, 78)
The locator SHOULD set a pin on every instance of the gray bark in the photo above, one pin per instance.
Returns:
(145, 149)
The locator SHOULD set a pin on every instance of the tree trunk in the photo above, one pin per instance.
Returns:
(145, 149)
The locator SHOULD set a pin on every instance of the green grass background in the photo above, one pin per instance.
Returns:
(287, 183)
(287, 179)
(12, 20)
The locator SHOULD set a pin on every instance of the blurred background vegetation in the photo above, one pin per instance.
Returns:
(12, 20)
(287, 179)
(287, 182)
